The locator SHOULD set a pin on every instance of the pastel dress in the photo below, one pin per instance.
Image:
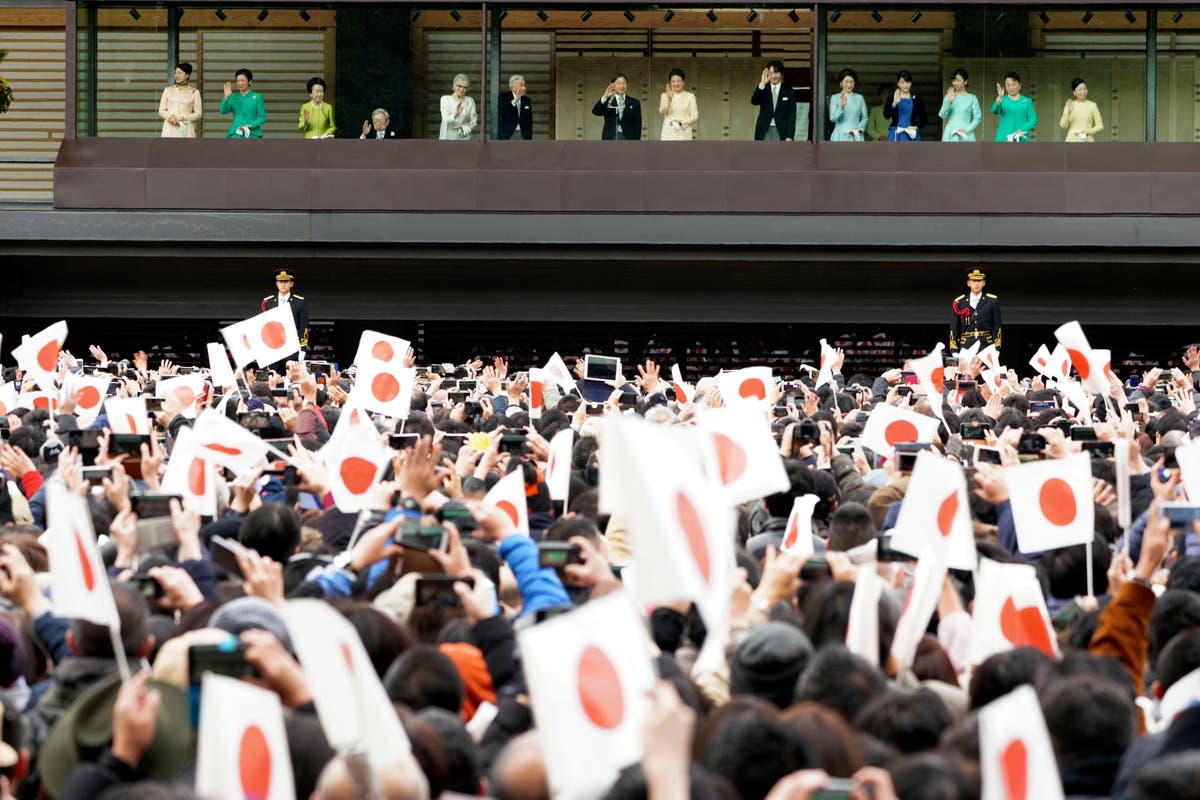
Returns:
(248, 110)
(679, 115)
(1015, 115)
(319, 124)
(184, 104)
(961, 114)
(1082, 122)
(852, 117)
(460, 125)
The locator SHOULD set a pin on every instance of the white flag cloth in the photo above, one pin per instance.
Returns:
(45, 400)
(588, 674)
(37, 355)
(919, 604)
(931, 377)
(681, 531)
(351, 702)
(273, 336)
(375, 349)
(751, 386)
(1092, 365)
(1073, 392)
(90, 393)
(995, 378)
(889, 426)
(185, 390)
(740, 454)
(219, 367)
(684, 392)
(385, 388)
(78, 581)
(966, 354)
(508, 495)
(242, 748)
(862, 629)
(556, 368)
(990, 357)
(1183, 694)
(558, 468)
(1009, 611)
(798, 535)
(1016, 757)
(237, 337)
(825, 365)
(1052, 503)
(228, 444)
(355, 459)
(1053, 366)
(190, 475)
(8, 398)
(537, 390)
(936, 513)
(127, 415)
(1188, 456)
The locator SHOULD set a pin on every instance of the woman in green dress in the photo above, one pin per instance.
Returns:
(1017, 117)
(246, 105)
(960, 110)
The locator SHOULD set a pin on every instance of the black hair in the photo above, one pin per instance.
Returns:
(677, 71)
(243, 71)
(425, 676)
(1088, 719)
(904, 75)
(911, 721)
(932, 775)
(1175, 775)
(999, 674)
(95, 640)
(847, 73)
(850, 526)
(1185, 574)
(826, 611)
(747, 743)
(884, 87)
(273, 530)
(1067, 568)
(776, 65)
(383, 638)
(563, 528)
(801, 483)
(1013, 75)
(960, 71)
(1178, 658)
(464, 773)
(308, 87)
(185, 67)
(614, 78)
(1175, 611)
(839, 680)
(1075, 84)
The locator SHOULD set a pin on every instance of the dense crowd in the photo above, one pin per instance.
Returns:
(462, 603)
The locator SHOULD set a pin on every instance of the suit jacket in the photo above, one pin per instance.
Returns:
(390, 133)
(631, 119)
(783, 112)
(299, 313)
(509, 115)
(984, 317)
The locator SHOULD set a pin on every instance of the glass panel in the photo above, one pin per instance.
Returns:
(446, 47)
(128, 67)
(1178, 74)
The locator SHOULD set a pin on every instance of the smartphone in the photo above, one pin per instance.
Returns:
(515, 443)
(1031, 444)
(1100, 449)
(86, 441)
(318, 367)
(154, 404)
(97, 474)
(1169, 460)
(910, 378)
(225, 658)
(471, 408)
(437, 591)
(153, 504)
(594, 409)
(1181, 515)
(906, 455)
(1132, 406)
(433, 537)
(224, 554)
(1038, 406)
(965, 385)
(455, 515)
(457, 397)
(972, 431)
(884, 551)
(127, 443)
(279, 393)
(1083, 433)
(402, 441)
(467, 385)
(904, 391)
(987, 455)
(558, 554)
(146, 586)
(601, 368)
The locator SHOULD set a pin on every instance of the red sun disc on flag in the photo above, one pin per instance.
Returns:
(1014, 766)
(45, 402)
(197, 478)
(946, 513)
(1080, 362)
(938, 379)
(693, 530)
(273, 335)
(254, 764)
(535, 394)
(47, 357)
(85, 563)
(731, 458)
(3, 410)
(384, 387)
(358, 474)
(224, 448)
(753, 387)
(510, 511)
(680, 394)
(1025, 627)
(347, 656)
(88, 397)
(1041, 361)
(600, 692)
(184, 395)
(1057, 502)
(1064, 369)
(382, 351)
(899, 432)
(793, 531)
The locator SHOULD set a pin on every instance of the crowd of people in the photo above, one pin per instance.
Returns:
(789, 707)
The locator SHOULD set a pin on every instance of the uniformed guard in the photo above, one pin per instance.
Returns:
(284, 278)
(976, 314)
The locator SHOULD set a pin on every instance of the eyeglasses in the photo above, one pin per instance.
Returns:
(460, 86)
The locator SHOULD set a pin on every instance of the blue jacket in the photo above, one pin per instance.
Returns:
(540, 586)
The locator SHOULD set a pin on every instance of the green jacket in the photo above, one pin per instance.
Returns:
(247, 109)
(1015, 115)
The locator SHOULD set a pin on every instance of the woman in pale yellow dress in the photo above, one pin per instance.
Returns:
(180, 107)
(678, 109)
(1081, 117)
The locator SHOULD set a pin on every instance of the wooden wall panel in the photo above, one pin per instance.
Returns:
(32, 128)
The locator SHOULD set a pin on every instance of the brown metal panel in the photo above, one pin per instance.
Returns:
(100, 187)
(1173, 157)
(187, 188)
(518, 190)
(1108, 157)
(1024, 157)
(685, 191)
(938, 193)
(1021, 193)
(768, 192)
(1105, 193)
(265, 188)
(866, 192)
(603, 190)
(522, 155)
(1172, 193)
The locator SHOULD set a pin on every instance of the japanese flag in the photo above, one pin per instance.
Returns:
(1188, 456)
(990, 357)
(242, 749)
(78, 581)
(741, 455)
(684, 392)
(228, 444)
(750, 386)
(185, 390)
(1009, 611)
(1052, 366)
(190, 475)
(825, 368)
(90, 393)
(798, 535)
(37, 355)
(377, 349)
(237, 337)
(44, 400)
(8, 398)
(1183, 694)
(537, 387)
(385, 387)
(127, 415)
(936, 513)
(219, 367)
(557, 370)
(1092, 365)
(355, 460)
(558, 469)
(931, 377)
(354, 709)
(681, 530)
(862, 629)
(1052, 503)
(889, 426)
(588, 674)
(508, 495)
(919, 604)
(273, 336)
(995, 378)
(966, 354)
(1016, 756)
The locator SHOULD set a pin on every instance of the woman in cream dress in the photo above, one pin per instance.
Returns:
(180, 106)
(678, 109)
(1081, 117)
(458, 111)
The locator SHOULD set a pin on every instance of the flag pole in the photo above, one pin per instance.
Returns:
(119, 654)
(1091, 589)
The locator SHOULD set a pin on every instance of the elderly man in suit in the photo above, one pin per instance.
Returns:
(622, 113)
(515, 111)
(776, 106)
(380, 126)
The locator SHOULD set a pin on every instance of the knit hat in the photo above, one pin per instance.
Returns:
(248, 613)
(468, 660)
(769, 662)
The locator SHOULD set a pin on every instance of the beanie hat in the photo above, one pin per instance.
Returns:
(249, 613)
(768, 663)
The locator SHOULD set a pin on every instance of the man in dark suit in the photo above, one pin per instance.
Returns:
(380, 126)
(515, 111)
(776, 106)
(976, 314)
(622, 113)
(284, 280)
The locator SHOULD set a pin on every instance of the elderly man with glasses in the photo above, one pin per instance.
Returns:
(380, 126)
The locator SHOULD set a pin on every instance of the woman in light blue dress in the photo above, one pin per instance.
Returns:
(847, 110)
(960, 110)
